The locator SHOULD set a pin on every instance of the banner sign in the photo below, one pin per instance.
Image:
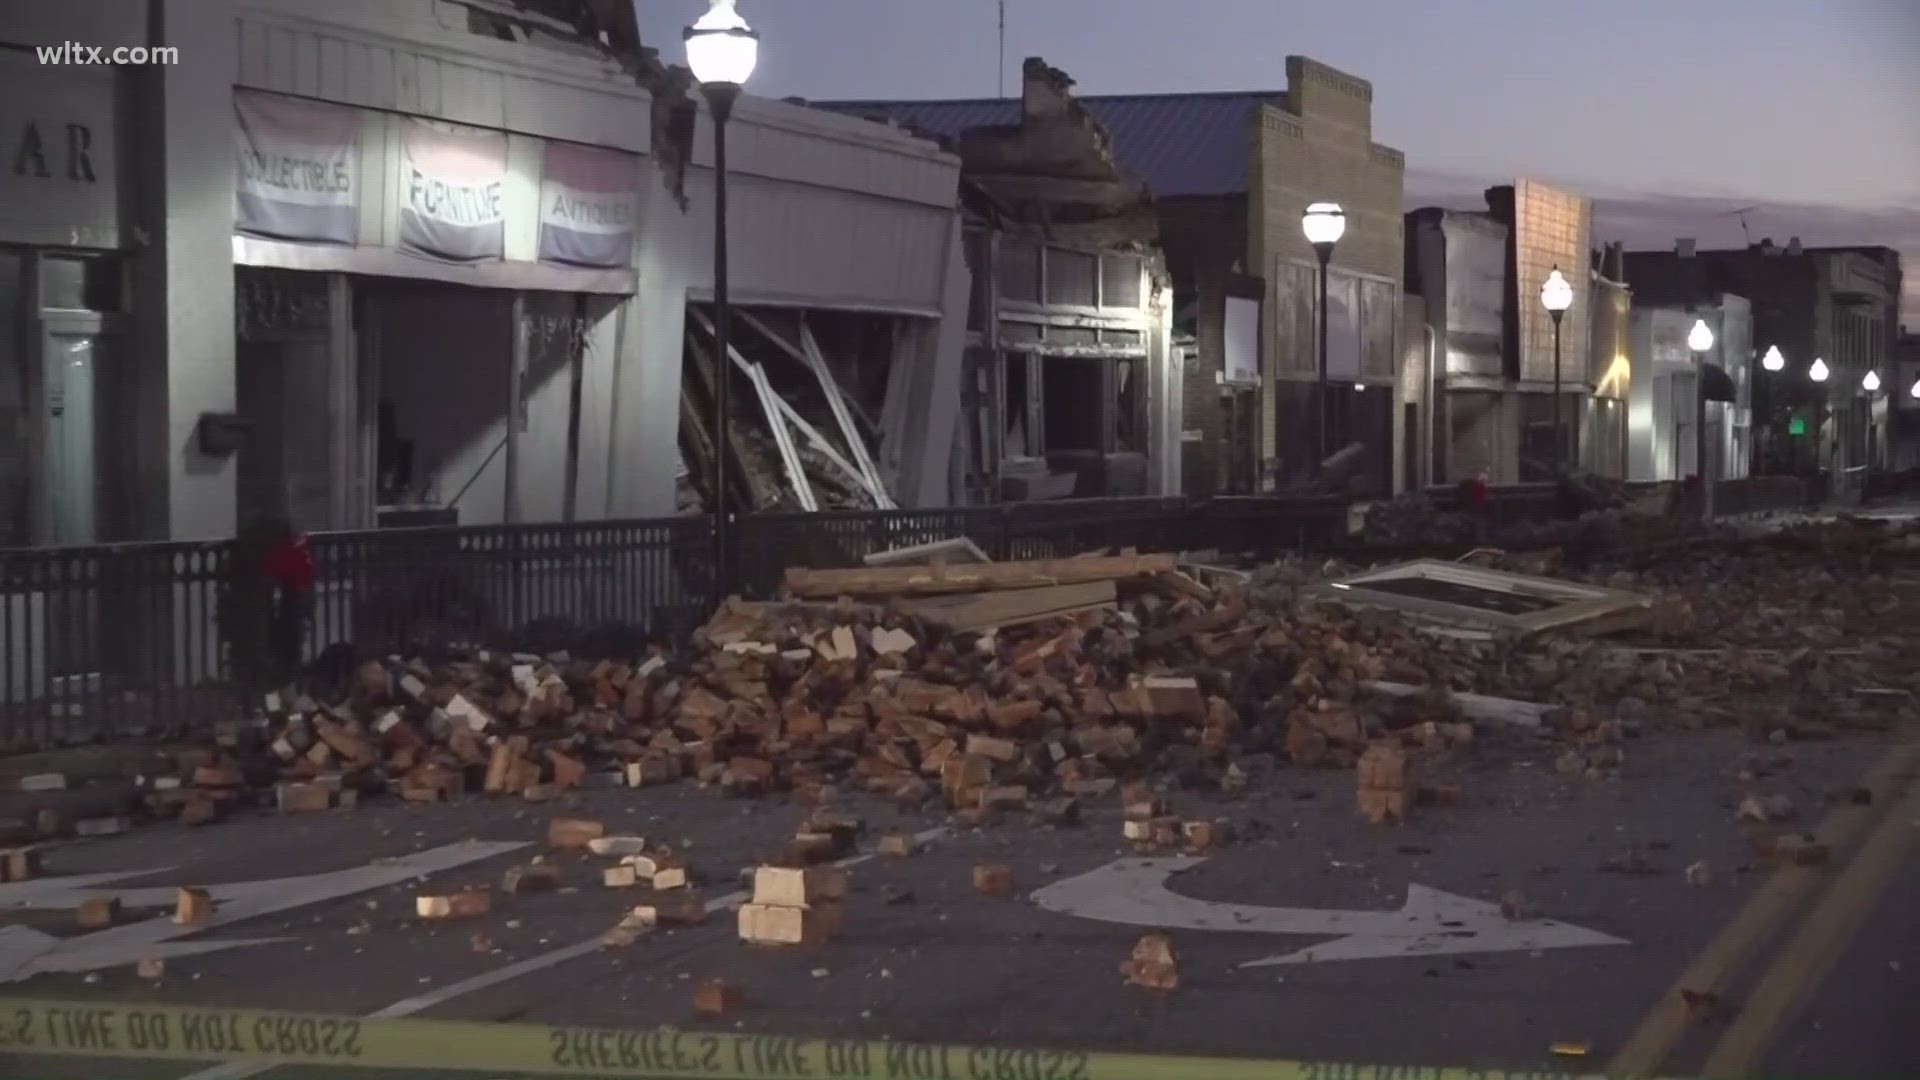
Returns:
(588, 199)
(453, 199)
(299, 169)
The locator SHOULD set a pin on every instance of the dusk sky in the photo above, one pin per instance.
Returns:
(1670, 112)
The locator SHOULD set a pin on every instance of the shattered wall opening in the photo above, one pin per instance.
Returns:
(1071, 391)
(812, 395)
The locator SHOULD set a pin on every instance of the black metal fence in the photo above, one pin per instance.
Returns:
(118, 640)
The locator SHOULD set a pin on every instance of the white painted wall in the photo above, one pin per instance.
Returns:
(1658, 336)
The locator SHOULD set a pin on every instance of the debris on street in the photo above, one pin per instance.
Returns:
(19, 864)
(1153, 964)
(192, 906)
(793, 906)
(466, 904)
(716, 997)
(993, 879)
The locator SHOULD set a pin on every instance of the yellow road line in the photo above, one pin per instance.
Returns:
(1810, 956)
(1756, 925)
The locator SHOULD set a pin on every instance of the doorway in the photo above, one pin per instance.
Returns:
(74, 398)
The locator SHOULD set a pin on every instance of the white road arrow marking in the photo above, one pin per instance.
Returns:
(1430, 923)
(25, 952)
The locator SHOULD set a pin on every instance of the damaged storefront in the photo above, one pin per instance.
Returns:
(848, 289)
(428, 302)
(1069, 388)
(494, 307)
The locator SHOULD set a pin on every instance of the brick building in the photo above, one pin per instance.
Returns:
(1230, 175)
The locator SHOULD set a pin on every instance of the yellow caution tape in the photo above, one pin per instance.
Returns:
(93, 1029)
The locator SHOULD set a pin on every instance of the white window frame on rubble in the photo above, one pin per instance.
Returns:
(1577, 603)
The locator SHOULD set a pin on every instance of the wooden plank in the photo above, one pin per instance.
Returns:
(1010, 607)
(938, 580)
(855, 443)
(958, 549)
(757, 487)
(1494, 710)
(789, 457)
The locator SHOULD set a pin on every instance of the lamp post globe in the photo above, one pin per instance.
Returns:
(721, 47)
(1773, 361)
(1871, 384)
(1914, 392)
(1818, 372)
(1324, 224)
(1557, 294)
(1700, 338)
(721, 52)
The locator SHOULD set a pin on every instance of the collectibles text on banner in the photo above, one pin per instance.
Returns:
(453, 198)
(587, 205)
(299, 166)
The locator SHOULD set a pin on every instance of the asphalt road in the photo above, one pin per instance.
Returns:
(923, 957)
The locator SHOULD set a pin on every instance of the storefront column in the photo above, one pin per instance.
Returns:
(350, 425)
(516, 409)
(183, 278)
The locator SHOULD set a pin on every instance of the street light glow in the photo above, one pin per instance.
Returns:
(1915, 392)
(1324, 223)
(1818, 372)
(1773, 361)
(1557, 294)
(721, 47)
(1700, 338)
(1871, 382)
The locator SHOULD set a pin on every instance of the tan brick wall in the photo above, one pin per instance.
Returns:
(1318, 148)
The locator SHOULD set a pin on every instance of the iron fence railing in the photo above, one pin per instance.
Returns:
(117, 640)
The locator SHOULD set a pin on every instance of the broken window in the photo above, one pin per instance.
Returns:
(1072, 392)
(1073, 336)
(1019, 440)
(1018, 268)
(1072, 278)
(1129, 408)
(1120, 281)
(978, 245)
(806, 390)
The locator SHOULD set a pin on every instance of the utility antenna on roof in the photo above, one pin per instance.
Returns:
(1741, 213)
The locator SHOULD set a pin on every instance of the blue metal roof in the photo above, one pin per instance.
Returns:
(1179, 144)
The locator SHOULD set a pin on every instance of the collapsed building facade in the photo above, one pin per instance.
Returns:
(1069, 387)
(1230, 175)
(413, 261)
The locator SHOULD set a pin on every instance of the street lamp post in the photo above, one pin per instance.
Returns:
(1556, 296)
(721, 50)
(1324, 224)
(1818, 374)
(1700, 339)
(1871, 384)
(1774, 363)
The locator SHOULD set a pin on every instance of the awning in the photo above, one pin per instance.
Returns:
(1716, 384)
